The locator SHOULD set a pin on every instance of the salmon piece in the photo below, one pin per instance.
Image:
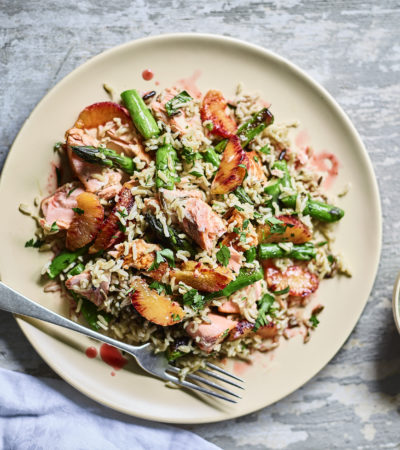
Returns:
(214, 109)
(106, 117)
(295, 231)
(96, 179)
(235, 261)
(229, 307)
(58, 206)
(181, 123)
(254, 168)
(82, 284)
(110, 231)
(235, 218)
(202, 224)
(301, 282)
(141, 254)
(201, 277)
(211, 334)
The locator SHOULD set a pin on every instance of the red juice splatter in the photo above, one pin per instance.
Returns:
(147, 74)
(326, 162)
(112, 356)
(189, 84)
(91, 352)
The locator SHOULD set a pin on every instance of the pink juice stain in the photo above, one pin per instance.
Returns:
(189, 84)
(241, 367)
(329, 163)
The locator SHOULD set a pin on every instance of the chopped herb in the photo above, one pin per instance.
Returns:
(115, 236)
(242, 195)
(276, 226)
(283, 291)
(173, 105)
(172, 356)
(71, 191)
(160, 287)
(264, 307)
(35, 244)
(236, 230)
(54, 227)
(130, 290)
(224, 255)
(238, 208)
(122, 213)
(250, 254)
(225, 333)
(193, 299)
(243, 237)
(256, 159)
(175, 317)
(57, 146)
(266, 150)
(257, 215)
(245, 168)
(122, 227)
(78, 211)
(210, 126)
(331, 259)
(196, 174)
(314, 321)
(165, 255)
(321, 244)
(246, 223)
(189, 155)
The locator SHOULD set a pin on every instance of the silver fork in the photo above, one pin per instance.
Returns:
(156, 365)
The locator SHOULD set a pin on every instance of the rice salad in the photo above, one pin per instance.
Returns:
(188, 221)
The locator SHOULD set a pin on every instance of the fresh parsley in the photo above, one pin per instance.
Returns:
(173, 105)
(266, 150)
(246, 223)
(283, 291)
(242, 237)
(160, 287)
(193, 299)
(175, 317)
(78, 211)
(264, 307)
(276, 226)
(122, 227)
(224, 255)
(57, 146)
(189, 155)
(71, 191)
(245, 168)
(210, 126)
(196, 174)
(314, 321)
(250, 254)
(54, 227)
(242, 195)
(165, 255)
(35, 244)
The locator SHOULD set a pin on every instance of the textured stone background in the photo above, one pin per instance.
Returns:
(353, 49)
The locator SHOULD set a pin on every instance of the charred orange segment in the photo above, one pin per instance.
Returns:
(301, 282)
(111, 231)
(100, 113)
(268, 331)
(213, 108)
(232, 170)
(241, 330)
(156, 308)
(290, 230)
(203, 278)
(85, 225)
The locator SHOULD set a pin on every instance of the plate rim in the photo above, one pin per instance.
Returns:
(304, 77)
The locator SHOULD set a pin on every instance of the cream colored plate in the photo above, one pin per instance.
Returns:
(223, 63)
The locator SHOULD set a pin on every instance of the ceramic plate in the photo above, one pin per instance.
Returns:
(215, 62)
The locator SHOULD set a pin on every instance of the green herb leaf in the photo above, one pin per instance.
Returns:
(276, 226)
(314, 321)
(256, 159)
(165, 255)
(54, 227)
(189, 155)
(224, 255)
(173, 105)
(283, 291)
(264, 306)
(131, 289)
(210, 126)
(243, 237)
(250, 254)
(238, 208)
(160, 287)
(321, 244)
(35, 244)
(266, 150)
(122, 227)
(193, 299)
(78, 211)
(57, 146)
(175, 317)
(196, 174)
(225, 333)
(246, 223)
(242, 195)
(123, 212)
(245, 168)
(71, 191)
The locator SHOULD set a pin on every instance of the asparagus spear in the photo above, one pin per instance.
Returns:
(105, 157)
(250, 254)
(244, 278)
(242, 195)
(254, 126)
(141, 115)
(250, 129)
(88, 309)
(174, 241)
(63, 260)
(316, 209)
(302, 252)
(211, 156)
(167, 176)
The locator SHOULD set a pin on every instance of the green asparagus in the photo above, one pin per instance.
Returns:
(174, 241)
(140, 114)
(244, 278)
(105, 157)
(242, 195)
(63, 260)
(211, 156)
(302, 252)
(166, 176)
(249, 130)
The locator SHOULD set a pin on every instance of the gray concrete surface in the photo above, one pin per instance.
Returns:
(353, 49)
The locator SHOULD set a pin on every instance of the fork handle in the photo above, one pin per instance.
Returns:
(16, 303)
